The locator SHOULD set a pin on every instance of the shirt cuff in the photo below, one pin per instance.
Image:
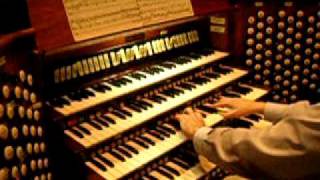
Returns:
(200, 141)
(274, 112)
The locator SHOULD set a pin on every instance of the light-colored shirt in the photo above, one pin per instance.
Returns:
(289, 149)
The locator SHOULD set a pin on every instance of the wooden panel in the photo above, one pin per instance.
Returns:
(205, 7)
(50, 21)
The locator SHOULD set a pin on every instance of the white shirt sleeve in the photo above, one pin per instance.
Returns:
(288, 149)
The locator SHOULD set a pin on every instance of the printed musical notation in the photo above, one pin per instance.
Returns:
(157, 11)
(93, 18)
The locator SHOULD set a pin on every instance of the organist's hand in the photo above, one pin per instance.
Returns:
(190, 122)
(238, 107)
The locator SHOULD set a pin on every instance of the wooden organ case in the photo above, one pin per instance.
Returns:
(112, 98)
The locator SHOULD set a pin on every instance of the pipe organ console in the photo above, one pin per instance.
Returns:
(104, 107)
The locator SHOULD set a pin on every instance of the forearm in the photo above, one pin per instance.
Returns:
(267, 152)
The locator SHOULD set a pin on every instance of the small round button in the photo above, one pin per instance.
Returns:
(290, 19)
(4, 132)
(4, 173)
(250, 52)
(281, 25)
(269, 41)
(2, 110)
(33, 97)
(280, 35)
(15, 172)
(21, 111)
(33, 165)
(20, 153)
(311, 19)
(249, 62)
(251, 20)
(36, 148)
(250, 31)
(26, 95)
(22, 76)
(40, 163)
(29, 113)
(6, 91)
(294, 88)
(33, 131)
(270, 19)
(25, 130)
(10, 111)
(46, 162)
(260, 14)
(14, 133)
(18, 92)
(260, 25)
(299, 25)
(298, 36)
(29, 148)
(40, 131)
(30, 80)
(282, 13)
(300, 14)
(43, 147)
(8, 152)
(36, 115)
(24, 170)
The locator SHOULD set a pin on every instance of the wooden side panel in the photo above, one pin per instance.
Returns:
(50, 21)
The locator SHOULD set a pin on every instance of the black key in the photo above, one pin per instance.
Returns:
(141, 143)
(132, 149)
(212, 75)
(95, 125)
(150, 177)
(160, 97)
(125, 112)
(104, 160)
(101, 121)
(83, 129)
(117, 155)
(145, 103)
(161, 131)
(155, 134)
(76, 132)
(167, 129)
(207, 109)
(139, 105)
(106, 87)
(182, 164)
(98, 164)
(134, 107)
(170, 169)
(126, 80)
(229, 94)
(241, 89)
(254, 117)
(118, 114)
(81, 94)
(154, 99)
(107, 118)
(74, 96)
(115, 83)
(124, 152)
(88, 93)
(64, 101)
(98, 88)
(194, 55)
(147, 140)
(164, 173)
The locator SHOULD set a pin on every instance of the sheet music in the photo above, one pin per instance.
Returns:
(156, 11)
(93, 18)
